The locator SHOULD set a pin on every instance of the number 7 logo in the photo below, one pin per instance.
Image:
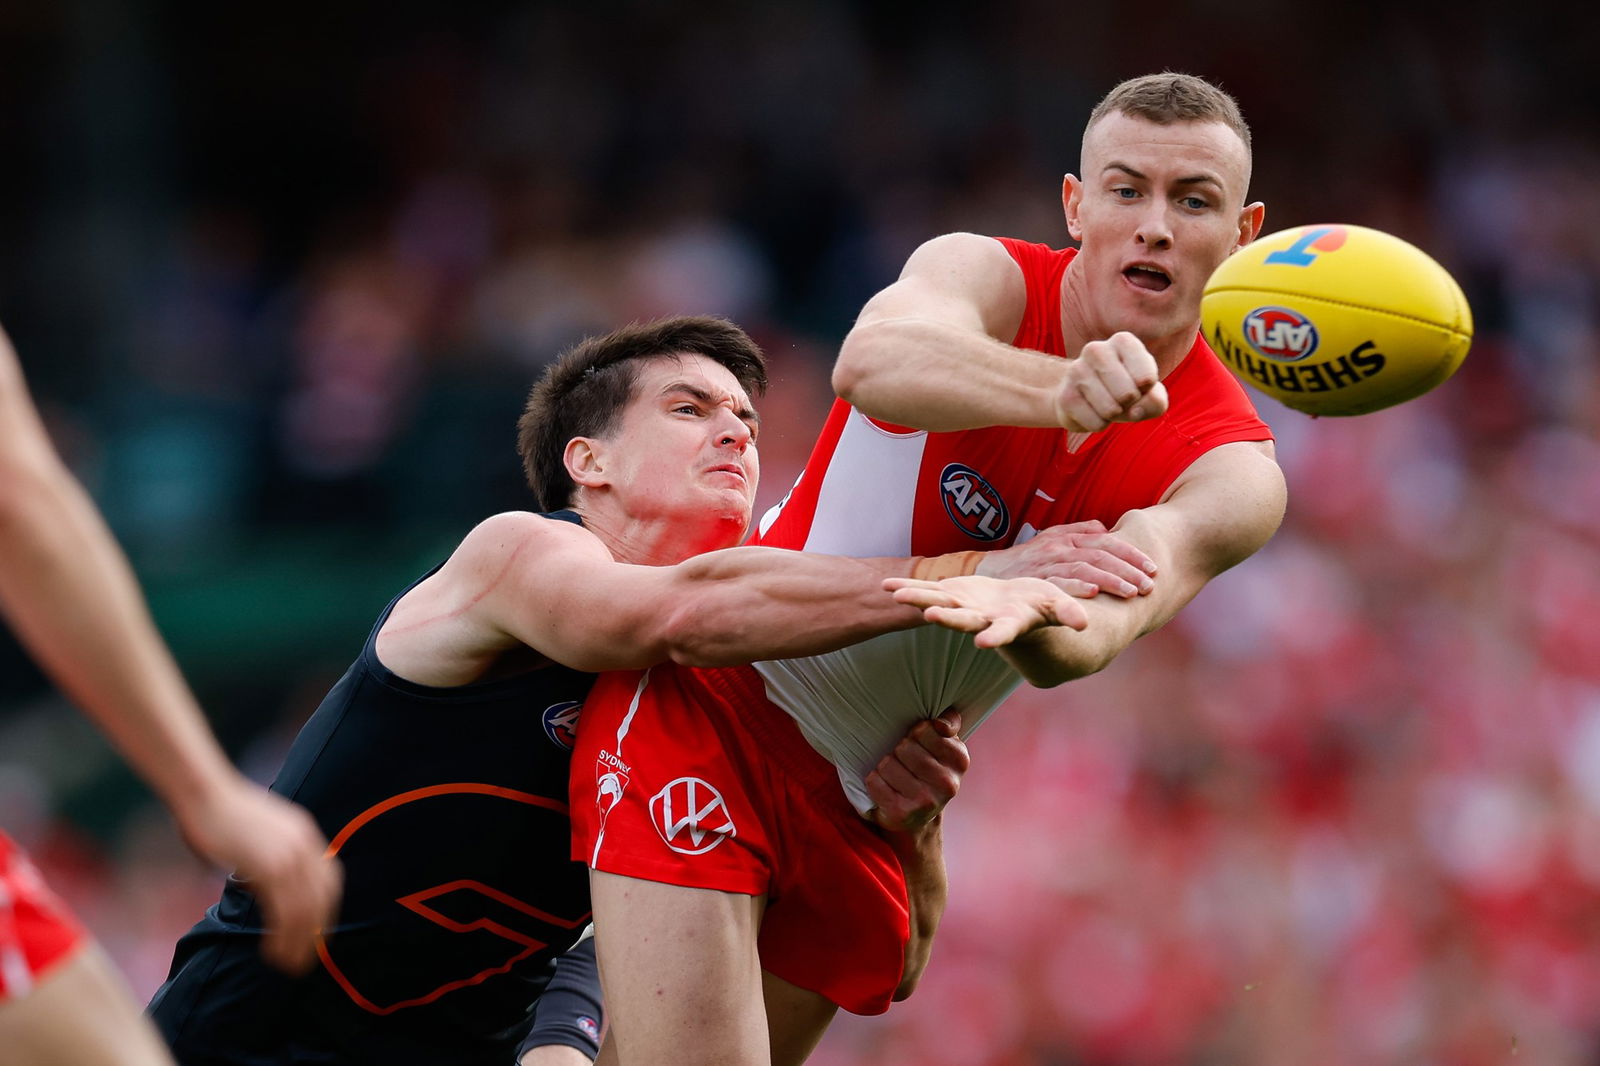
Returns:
(459, 906)
(1320, 238)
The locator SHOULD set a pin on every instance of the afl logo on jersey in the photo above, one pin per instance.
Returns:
(973, 504)
(561, 723)
(1281, 334)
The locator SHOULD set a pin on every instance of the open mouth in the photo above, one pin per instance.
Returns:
(1148, 278)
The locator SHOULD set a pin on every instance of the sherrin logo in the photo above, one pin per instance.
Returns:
(1279, 333)
(973, 504)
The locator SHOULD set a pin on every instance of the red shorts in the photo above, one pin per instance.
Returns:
(692, 777)
(36, 929)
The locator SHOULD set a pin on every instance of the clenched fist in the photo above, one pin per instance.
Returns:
(1114, 380)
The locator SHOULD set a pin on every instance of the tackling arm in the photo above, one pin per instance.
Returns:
(519, 578)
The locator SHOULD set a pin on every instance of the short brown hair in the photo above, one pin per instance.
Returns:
(1170, 97)
(584, 391)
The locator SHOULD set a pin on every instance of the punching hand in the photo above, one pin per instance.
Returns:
(1114, 380)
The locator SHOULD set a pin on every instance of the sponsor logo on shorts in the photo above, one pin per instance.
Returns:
(561, 723)
(691, 816)
(1281, 334)
(590, 1027)
(973, 504)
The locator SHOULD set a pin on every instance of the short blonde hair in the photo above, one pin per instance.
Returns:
(1170, 97)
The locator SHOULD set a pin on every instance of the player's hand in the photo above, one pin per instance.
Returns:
(912, 784)
(275, 848)
(996, 611)
(1114, 380)
(1083, 558)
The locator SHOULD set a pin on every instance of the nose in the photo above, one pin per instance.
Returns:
(732, 432)
(1155, 228)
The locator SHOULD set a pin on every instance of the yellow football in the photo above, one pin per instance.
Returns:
(1336, 320)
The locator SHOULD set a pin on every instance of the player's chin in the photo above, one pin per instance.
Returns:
(733, 502)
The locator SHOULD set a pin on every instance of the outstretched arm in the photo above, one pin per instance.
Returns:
(519, 578)
(1219, 512)
(68, 592)
(932, 351)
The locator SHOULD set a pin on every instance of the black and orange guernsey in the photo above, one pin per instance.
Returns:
(448, 809)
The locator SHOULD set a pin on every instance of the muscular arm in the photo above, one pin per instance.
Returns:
(519, 579)
(723, 607)
(1217, 514)
(929, 351)
(932, 351)
(70, 595)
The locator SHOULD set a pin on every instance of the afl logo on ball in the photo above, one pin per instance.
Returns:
(1281, 334)
(973, 504)
(561, 723)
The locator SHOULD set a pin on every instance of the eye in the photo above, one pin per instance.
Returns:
(1195, 203)
(686, 408)
(1123, 192)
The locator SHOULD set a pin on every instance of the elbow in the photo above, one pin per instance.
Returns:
(849, 370)
(1055, 671)
(692, 637)
(860, 356)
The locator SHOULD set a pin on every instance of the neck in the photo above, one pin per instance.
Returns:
(657, 541)
(1079, 326)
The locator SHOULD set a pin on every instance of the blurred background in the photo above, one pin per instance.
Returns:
(281, 276)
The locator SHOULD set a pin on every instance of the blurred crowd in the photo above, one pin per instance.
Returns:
(281, 284)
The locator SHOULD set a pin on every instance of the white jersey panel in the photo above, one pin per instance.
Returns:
(854, 705)
(864, 506)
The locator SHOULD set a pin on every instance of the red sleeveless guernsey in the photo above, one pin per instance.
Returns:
(871, 488)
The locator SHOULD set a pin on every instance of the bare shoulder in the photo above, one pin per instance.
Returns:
(962, 259)
(964, 278)
(501, 550)
(514, 533)
(445, 629)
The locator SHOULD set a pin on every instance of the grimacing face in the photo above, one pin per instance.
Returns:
(1158, 208)
(684, 449)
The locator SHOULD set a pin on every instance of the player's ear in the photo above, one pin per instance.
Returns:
(585, 462)
(1250, 220)
(1071, 202)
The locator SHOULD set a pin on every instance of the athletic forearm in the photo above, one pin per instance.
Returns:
(1055, 655)
(938, 376)
(70, 595)
(1227, 511)
(743, 604)
(921, 854)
